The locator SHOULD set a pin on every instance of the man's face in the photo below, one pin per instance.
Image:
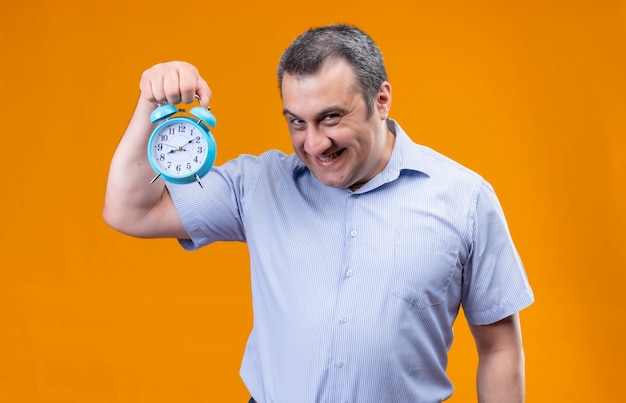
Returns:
(330, 129)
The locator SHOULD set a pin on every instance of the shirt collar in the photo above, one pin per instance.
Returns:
(405, 155)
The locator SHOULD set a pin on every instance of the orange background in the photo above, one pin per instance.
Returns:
(531, 94)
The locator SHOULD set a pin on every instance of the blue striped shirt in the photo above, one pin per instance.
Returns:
(355, 293)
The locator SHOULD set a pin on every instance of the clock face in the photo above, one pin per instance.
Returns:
(179, 148)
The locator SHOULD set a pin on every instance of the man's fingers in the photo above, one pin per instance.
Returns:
(174, 83)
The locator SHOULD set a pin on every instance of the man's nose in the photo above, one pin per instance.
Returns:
(315, 141)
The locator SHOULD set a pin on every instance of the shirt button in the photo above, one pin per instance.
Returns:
(343, 319)
(339, 364)
(353, 233)
(349, 273)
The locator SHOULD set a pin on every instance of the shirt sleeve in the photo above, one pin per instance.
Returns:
(213, 212)
(495, 284)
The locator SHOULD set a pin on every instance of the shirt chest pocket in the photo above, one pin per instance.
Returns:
(423, 267)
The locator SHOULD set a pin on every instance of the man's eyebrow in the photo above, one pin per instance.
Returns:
(288, 112)
(323, 112)
(334, 108)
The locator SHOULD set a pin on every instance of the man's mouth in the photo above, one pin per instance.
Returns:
(330, 157)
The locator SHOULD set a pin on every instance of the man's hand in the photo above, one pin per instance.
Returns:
(173, 82)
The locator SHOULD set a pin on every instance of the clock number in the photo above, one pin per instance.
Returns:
(161, 157)
(200, 150)
(160, 147)
(198, 139)
(164, 137)
(181, 129)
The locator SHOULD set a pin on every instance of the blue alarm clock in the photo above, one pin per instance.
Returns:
(181, 149)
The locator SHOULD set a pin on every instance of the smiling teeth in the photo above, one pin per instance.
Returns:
(329, 157)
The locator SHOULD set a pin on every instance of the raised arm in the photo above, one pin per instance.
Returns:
(132, 205)
(500, 377)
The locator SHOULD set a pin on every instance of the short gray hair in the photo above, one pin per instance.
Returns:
(308, 52)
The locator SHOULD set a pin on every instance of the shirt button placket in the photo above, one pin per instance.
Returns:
(342, 318)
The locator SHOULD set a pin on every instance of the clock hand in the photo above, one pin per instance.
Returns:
(180, 148)
(170, 146)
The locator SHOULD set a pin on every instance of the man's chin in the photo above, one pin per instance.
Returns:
(332, 182)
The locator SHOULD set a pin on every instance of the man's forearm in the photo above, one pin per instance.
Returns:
(500, 377)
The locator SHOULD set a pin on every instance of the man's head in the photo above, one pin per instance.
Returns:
(308, 52)
(336, 101)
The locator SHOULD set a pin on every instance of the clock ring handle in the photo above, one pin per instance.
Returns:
(208, 108)
(196, 96)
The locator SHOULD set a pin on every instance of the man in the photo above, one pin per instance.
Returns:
(363, 244)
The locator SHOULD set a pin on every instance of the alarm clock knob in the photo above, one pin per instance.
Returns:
(162, 112)
(204, 115)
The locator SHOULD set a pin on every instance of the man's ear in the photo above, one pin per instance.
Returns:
(383, 100)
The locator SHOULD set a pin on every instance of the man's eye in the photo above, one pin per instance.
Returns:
(297, 124)
(331, 118)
